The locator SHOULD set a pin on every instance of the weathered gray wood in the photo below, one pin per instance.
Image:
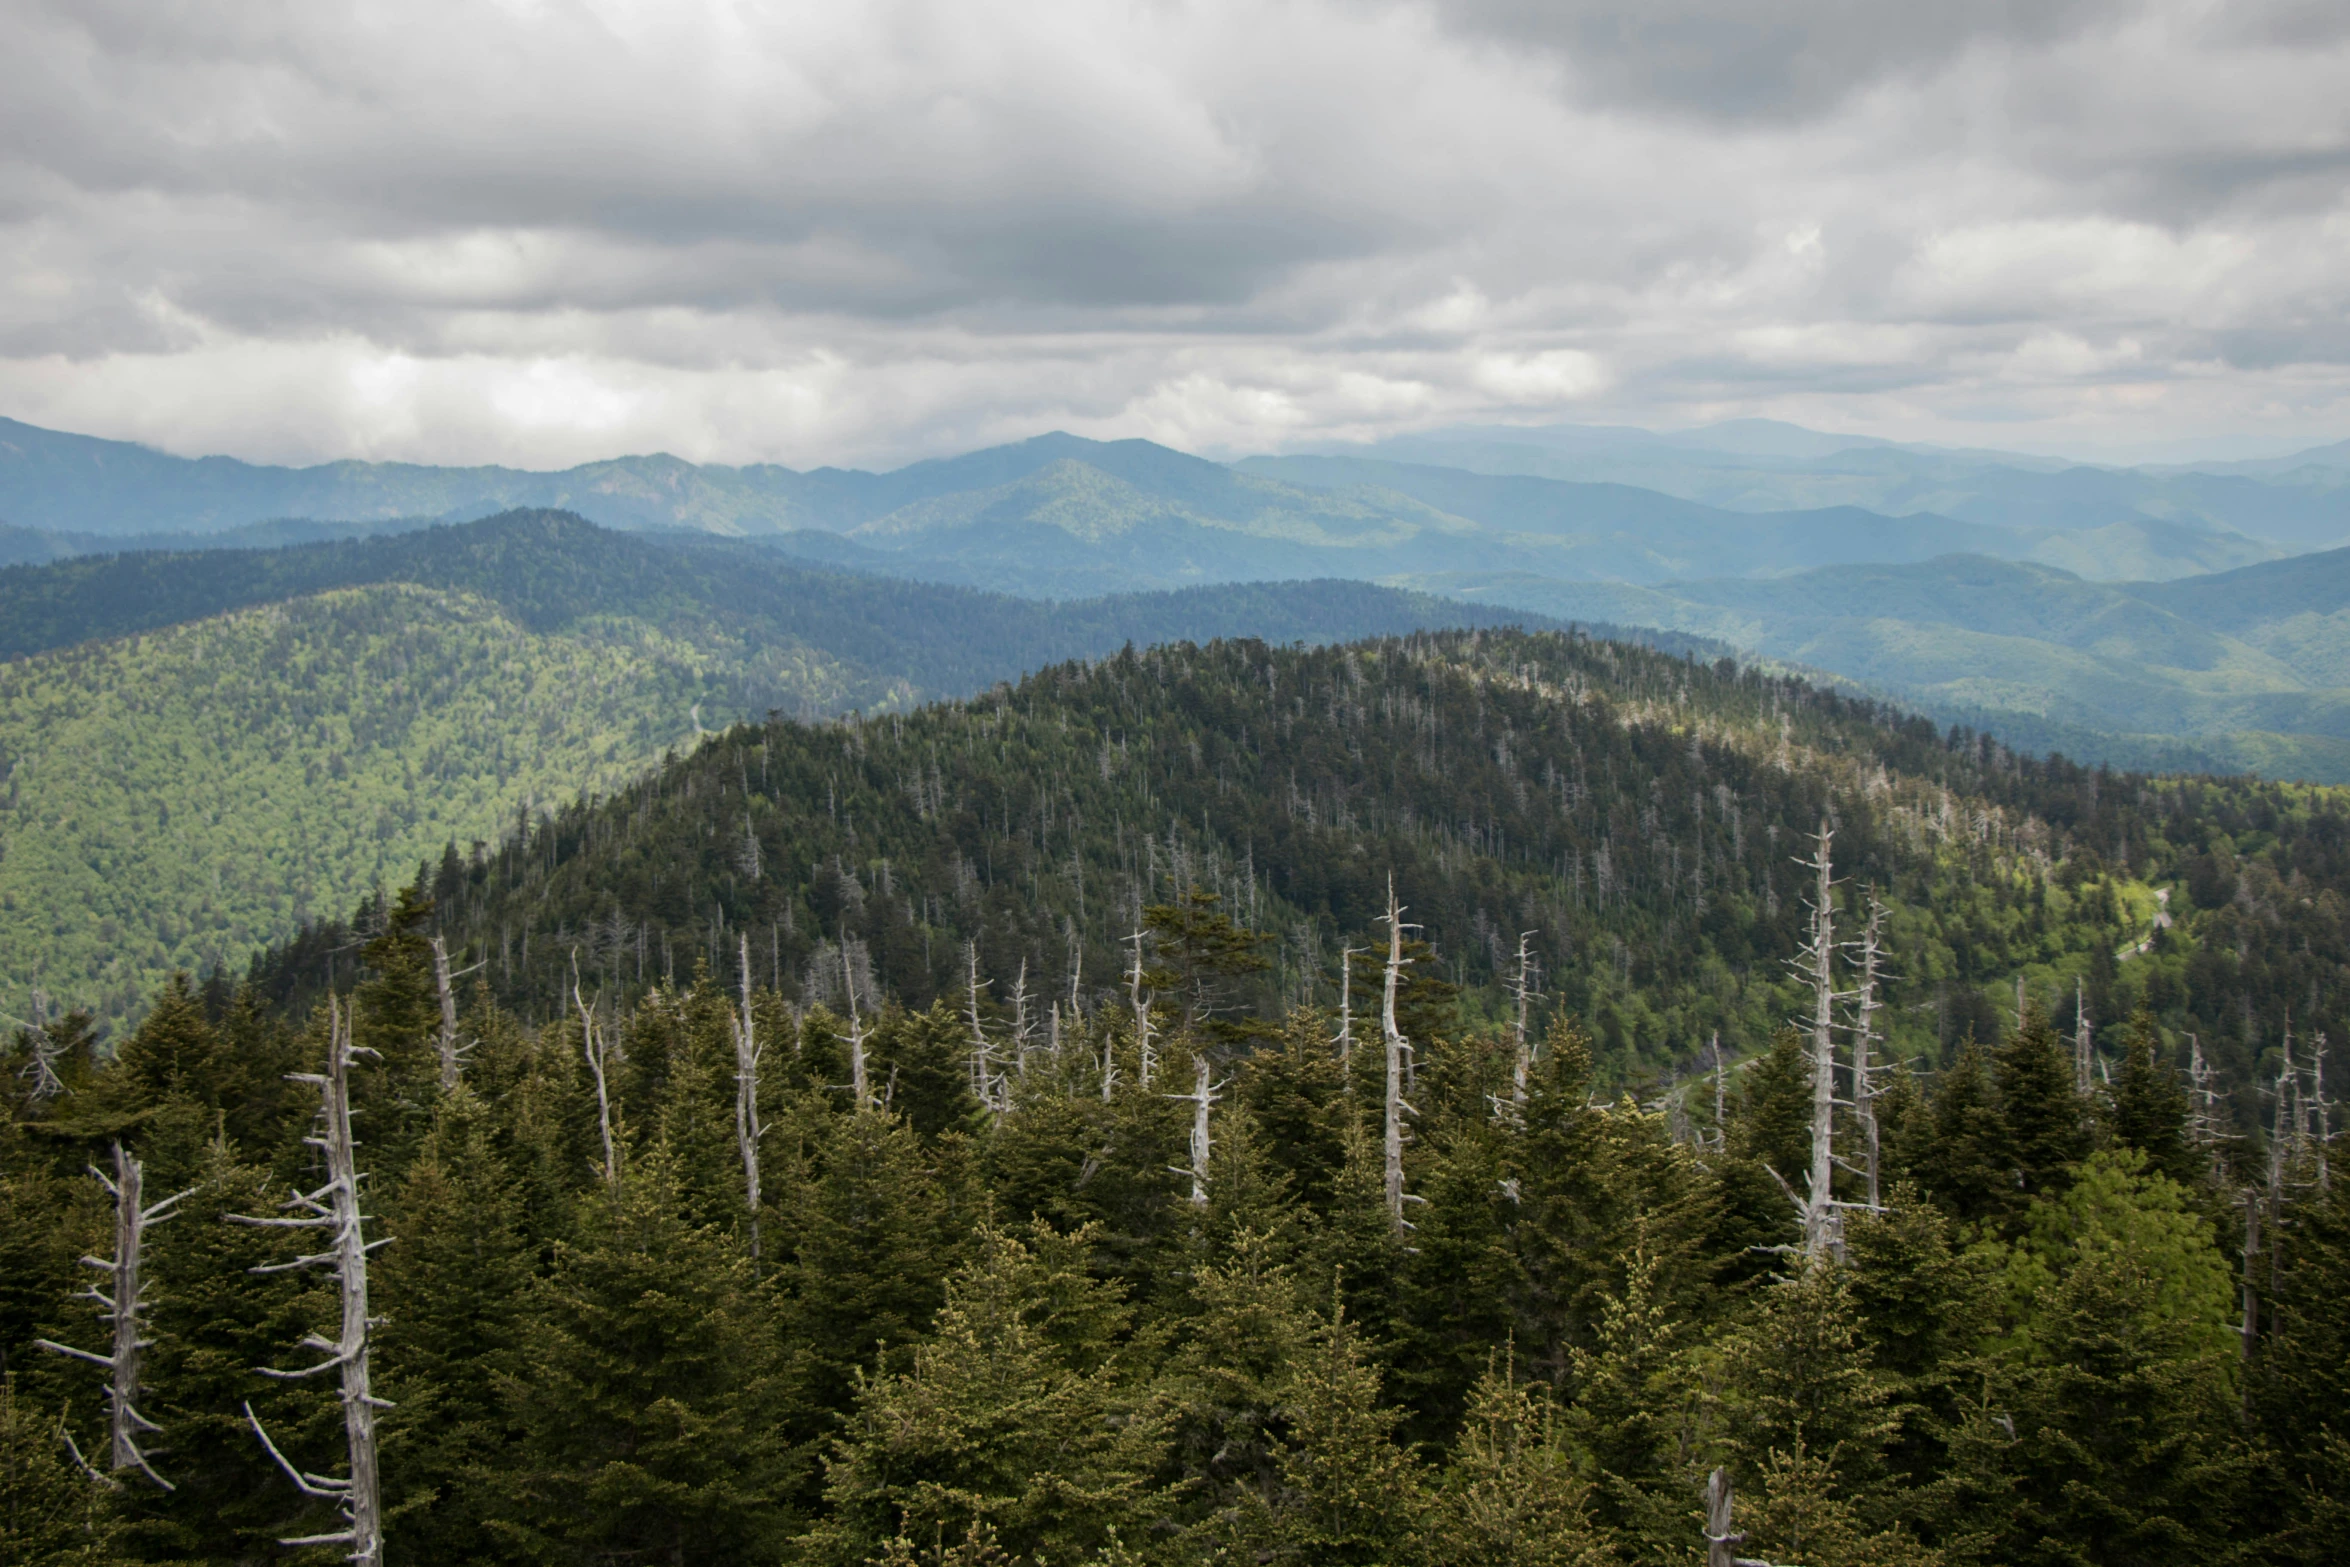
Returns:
(747, 1129)
(334, 1208)
(121, 1308)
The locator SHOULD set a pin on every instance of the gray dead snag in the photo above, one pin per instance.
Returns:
(747, 1129)
(987, 1078)
(2084, 1041)
(1023, 1031)
(447, 1040)
(1346, 1007)
(596, 1044)
(1145, 1056)
(1398, 1050)
(1816, 963)
(1523, 990)
(121, 1308)
(860, 1072)
(334, 1208)
(42, 1054)
(1865, 1092)
(1201, 1098)
(1720, 1538)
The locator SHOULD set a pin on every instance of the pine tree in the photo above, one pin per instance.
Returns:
(1629, 1422)
(1026, 1416)
(1511, 1494)
(646, 1391)
(2117, 1379)
(2044, 1121)
(2150, 1105)
(1965, 1168)
(52, 1513)
(1343, 1490)
(872, 1244)
(454, 1286)
(1798, 1381)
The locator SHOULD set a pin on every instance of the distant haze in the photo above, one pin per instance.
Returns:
(542, 234)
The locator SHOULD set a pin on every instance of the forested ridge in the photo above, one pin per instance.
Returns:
(788, 1158)
(200, 750)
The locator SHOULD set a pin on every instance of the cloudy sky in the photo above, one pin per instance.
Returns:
(846, 232)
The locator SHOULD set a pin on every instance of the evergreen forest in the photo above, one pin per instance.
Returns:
(1476, 1097)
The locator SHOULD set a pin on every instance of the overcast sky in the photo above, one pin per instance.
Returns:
(539, 233)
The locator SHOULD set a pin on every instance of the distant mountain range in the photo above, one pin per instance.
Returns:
(2020, 592)
(1060, 515)
(2239, 670)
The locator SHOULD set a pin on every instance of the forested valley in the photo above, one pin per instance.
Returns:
(1465, 1098)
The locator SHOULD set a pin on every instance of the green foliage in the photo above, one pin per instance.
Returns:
(51, 1514)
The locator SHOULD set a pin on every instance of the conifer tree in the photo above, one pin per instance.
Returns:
(2043, 1120)
(646, 1391)
(2150, 1105)
(1025, 1415)
(1965, 1167)
(455, 1290)
(1511, 1495)
(53, 1512)
(1343, 1491)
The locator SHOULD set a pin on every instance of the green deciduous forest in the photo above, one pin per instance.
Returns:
(1023, 1130)
(199, 750)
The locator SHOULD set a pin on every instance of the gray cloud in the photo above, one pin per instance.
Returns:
(551, 229)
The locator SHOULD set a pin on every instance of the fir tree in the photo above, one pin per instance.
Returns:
(646, 1392)
(1027, 1415)
(2150, 1104)
(1512, 1496)
(52, 1513)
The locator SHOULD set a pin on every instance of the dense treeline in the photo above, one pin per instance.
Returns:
(217, 745)
(998, 1309)
(789, 1159)
(1640, 814)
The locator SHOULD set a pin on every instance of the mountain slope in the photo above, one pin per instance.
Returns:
(2242, 669)
(198, 749)
(1639, 814)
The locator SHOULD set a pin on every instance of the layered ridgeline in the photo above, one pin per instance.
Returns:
(2243, 670)
(1639, 815)
(696, 1257)
(198, 751)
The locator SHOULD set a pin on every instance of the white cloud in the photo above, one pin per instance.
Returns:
(737, 230)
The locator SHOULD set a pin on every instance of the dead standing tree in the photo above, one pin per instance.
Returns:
(1145, 1059)
(596, 1044)
(1720, 1538)
(747, 1129)
(1398, 1051)
(1816, 963)
(334, 1208)
(121, 1308)
(860, 1071)
(452, 1054)
(1201, 1099)
(1865, 1007)
(1346, 1007)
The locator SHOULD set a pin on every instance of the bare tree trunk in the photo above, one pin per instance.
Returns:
(1522, 1067)
(1020, 1025)
(334, 1208)
(2249, 1331)
(860, 1076)
(1864, 1037)
(121, 1308)
(1397, 1046)
(2084, 1043)
(1817, 963)
(1720, 1538)
(984, 1077)
(1346, 1005)
(747, 1129)
(1144, 1057)
(1201, 1097)
(596, 1047)
(447, 1040)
